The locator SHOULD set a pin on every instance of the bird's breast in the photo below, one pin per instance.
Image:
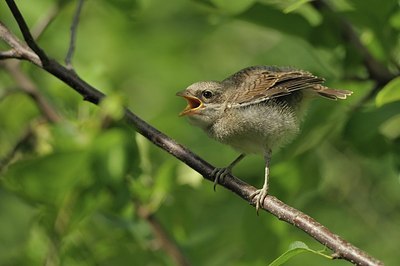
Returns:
(254, 129)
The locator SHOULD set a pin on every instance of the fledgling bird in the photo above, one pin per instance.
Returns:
(256, 110)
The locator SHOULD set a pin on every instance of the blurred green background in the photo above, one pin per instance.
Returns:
(89, 191)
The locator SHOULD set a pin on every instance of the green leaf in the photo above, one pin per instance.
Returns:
(390, 93)
(296, 248)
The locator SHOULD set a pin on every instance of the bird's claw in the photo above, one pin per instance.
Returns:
(259, 196)
(219, 174)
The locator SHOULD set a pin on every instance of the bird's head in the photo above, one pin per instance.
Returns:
(204, 102)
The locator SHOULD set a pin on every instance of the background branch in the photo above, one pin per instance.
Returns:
(376, 70)
(27, 86)
(161, 235)
(341, 248)
(74, 28)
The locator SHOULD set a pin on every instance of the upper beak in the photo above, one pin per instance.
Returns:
(193, 105)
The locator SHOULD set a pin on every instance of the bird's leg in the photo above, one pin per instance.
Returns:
(220, 173)
(260, 194)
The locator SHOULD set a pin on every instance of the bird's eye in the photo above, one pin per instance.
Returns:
(207, 94)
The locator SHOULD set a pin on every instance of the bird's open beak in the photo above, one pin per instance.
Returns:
(193, 105)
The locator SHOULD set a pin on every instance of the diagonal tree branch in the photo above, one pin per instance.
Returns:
(342, 249)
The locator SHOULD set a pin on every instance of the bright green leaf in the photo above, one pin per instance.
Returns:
(390, 93)
(296, 248)
(112, 106)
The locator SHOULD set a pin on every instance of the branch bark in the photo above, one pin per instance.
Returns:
(341, 248)
(19, 50)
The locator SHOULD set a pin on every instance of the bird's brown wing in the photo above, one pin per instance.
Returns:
(257, 84)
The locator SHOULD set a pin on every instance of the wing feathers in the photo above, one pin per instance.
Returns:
(261, 83)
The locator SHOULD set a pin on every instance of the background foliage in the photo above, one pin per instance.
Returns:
(88, 191)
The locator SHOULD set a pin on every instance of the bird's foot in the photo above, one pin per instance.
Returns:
(259, 196)
(219, 174)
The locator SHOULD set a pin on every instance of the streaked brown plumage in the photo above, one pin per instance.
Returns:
(256, 110)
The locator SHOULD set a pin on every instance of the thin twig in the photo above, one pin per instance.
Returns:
(74, 28)
(342, 248)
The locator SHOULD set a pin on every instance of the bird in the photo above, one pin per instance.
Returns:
(256, 110)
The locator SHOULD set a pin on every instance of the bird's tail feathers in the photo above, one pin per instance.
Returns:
(332, 94)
